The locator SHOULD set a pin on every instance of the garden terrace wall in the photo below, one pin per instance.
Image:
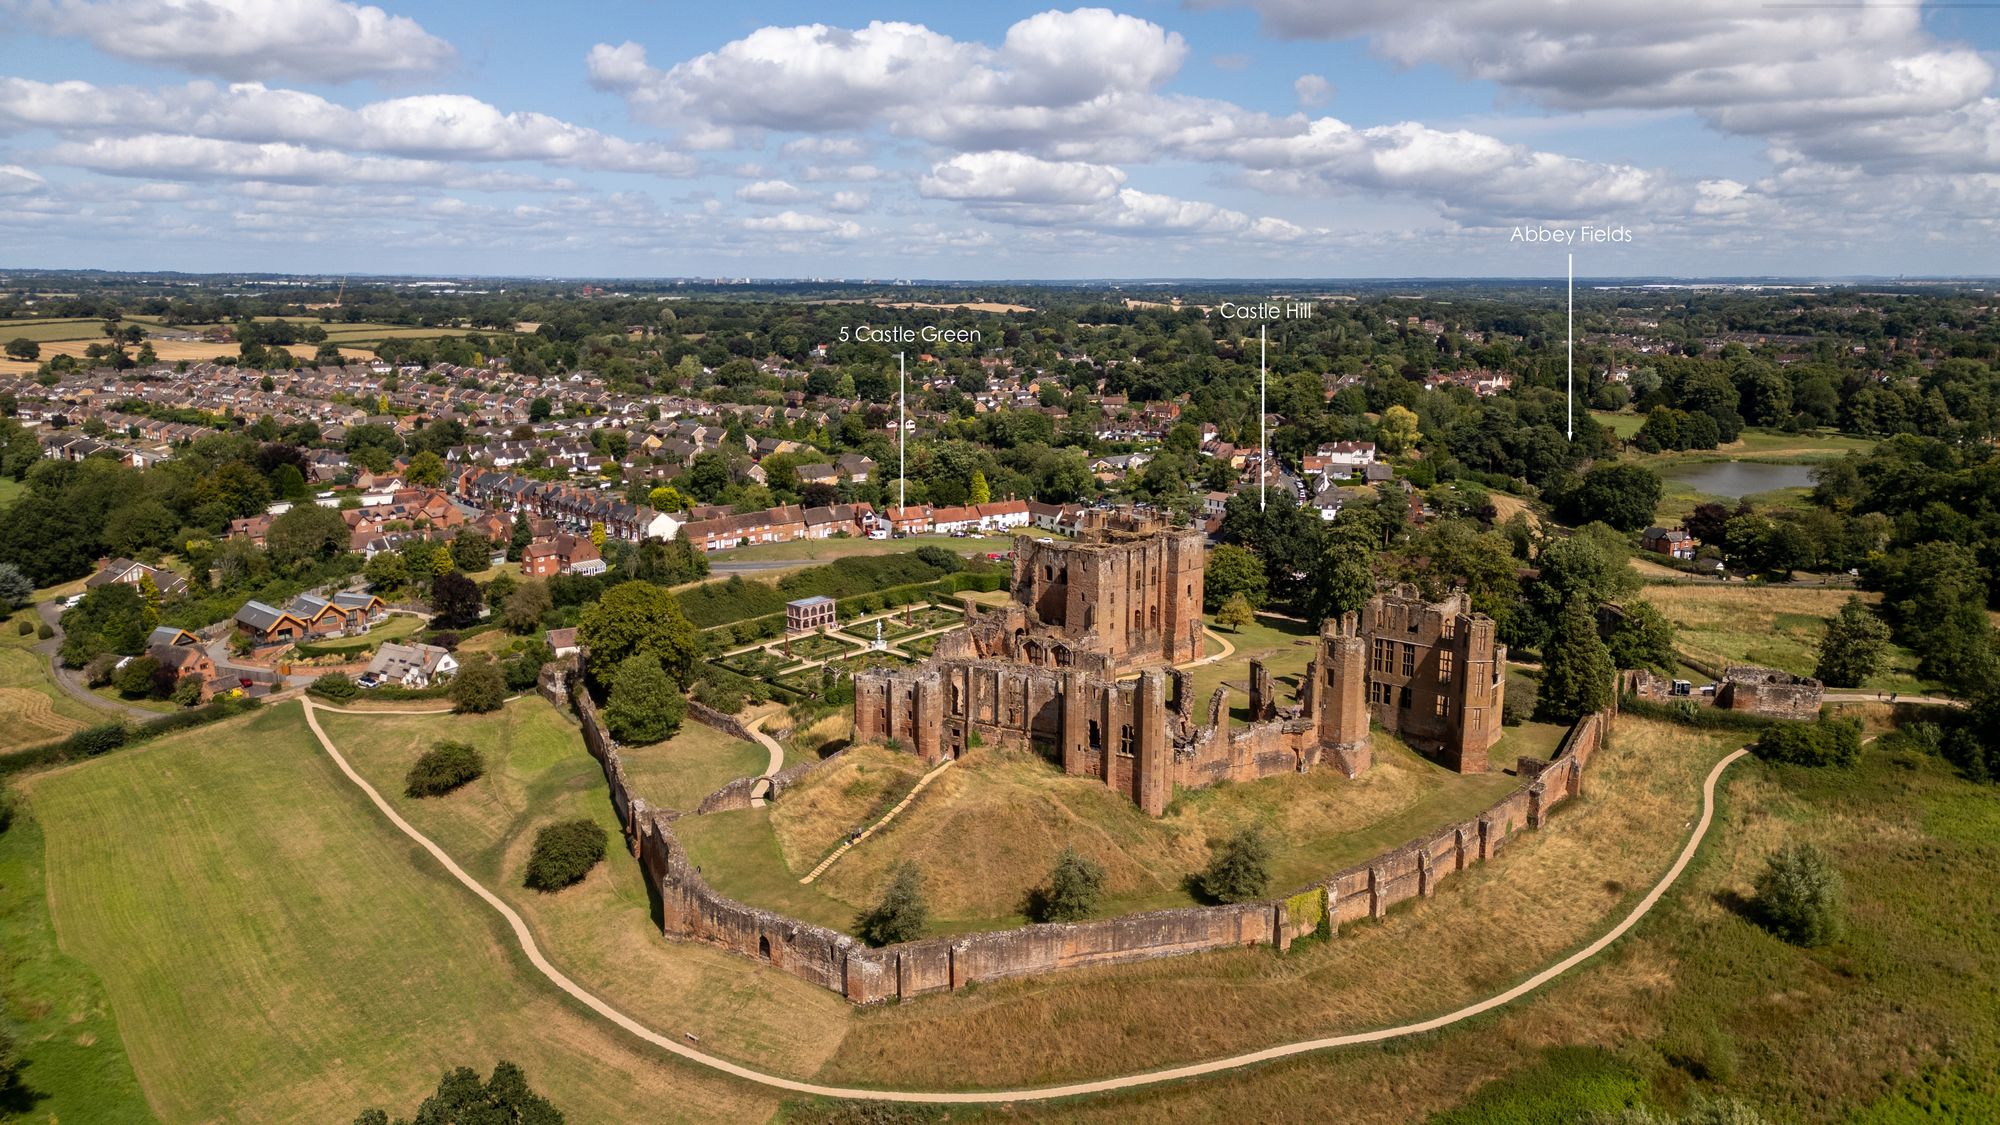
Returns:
(693, 910)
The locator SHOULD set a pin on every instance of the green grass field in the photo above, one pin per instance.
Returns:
(274, 950)
(32, 708)
(826, 550)
(678, 773)
(1774, 626)
(398, 627)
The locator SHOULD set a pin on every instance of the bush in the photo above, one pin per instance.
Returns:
(461, 1097)
(564, 853)
(101, 669)
(187, 692)
(92, 741)
(901, 914)
(44, 631)
(335, 686)
(25, 627)
(478, 687)
(939, 559)
(1822, 742)
(1075, 886)
(1798, 895)
(1239, 869)
(443, 768)
(645, 705)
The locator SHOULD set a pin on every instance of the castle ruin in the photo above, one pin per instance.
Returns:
(1079, 666)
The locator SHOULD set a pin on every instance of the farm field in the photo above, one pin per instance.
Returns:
(274, 950)
(1771, 625)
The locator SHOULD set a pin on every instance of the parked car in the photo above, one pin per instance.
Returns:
(367, 680)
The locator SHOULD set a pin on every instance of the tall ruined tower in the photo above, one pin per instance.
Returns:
(1129, 587)
(1340, 696)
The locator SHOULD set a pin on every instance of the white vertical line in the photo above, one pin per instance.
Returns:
(1263, 445)
(901, 430)
(1570, 349)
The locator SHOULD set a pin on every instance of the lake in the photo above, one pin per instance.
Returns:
(1737, 479)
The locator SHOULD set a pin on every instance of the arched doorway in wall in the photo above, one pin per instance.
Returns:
(764, 946)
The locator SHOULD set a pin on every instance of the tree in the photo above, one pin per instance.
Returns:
(1822, 742)
(639, 617)
(444, 767)
(645, 705)
(1235, 614)
(15, 588)
(1622, 495)
(1798, 895)
(455, 599)
(1576, 668)
(597, 536)
(1075, 886)
(1852, 649)
(426, 470)
(1642, 638)
(23, 349)
(667, 498)
(1398, 433)
(478, 687)
(305, 534)
(901, 914)
(526, 606)
(470, 550)
(1344, 578)
(981, 492)
(522, 534)
(1233, 572)
(504, 1099)
(564, 853)
(385, 571)
(1238, 869)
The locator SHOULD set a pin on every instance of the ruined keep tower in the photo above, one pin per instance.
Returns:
(1129, 587)
(1431, 672)
(1339, 686)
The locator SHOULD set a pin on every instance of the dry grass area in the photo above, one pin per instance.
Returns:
(32, 708)
(678, 773)
(1552, 890)
(168, 351)
(1771, 625)
(848, 793)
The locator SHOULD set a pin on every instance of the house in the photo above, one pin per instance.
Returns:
(838, 519)
(910, 521)
(268, 625)
(561, 554)
(562, 642)
(808, 615)
(1673, 542)
(818, 473)
(854, 467)
(1002, 514)
(187, 660)
(368, 608)
(167, 636)
(169, 584)
(414, 665)
(950, 521)
(322, 617)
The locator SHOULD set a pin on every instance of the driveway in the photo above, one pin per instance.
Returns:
(70, 680)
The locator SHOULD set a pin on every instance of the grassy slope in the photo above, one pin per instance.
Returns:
(76, 1067)
(600, 931)
(678, 773)
(32, 708)
(275, 951)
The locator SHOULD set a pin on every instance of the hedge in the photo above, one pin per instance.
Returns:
(1692, 714)
(733, 599)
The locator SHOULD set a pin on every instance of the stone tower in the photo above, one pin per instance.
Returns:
(1340, 696)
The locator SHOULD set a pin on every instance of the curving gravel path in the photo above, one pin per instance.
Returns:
(1037, 1093)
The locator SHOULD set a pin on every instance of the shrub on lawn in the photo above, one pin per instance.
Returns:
(478, 687)
(25, 627)
(1822, 742)
(335, 686)
(442, 768)
(1798, 895)
(44, 631)
(564, 853)
(1239, 869)
(92, 741)
(1075, 886)
(901, 914)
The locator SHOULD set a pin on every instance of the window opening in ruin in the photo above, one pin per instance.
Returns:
(1444, 667)
(1409, 660)
(1403, 696)
(1062, 657)
(1096, 736)
(764, 947)
(1156, 617)
(1443, 707)
(1125, 740)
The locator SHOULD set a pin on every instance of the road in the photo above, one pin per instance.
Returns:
(762, 789)
(591, 1000)
(71, 681)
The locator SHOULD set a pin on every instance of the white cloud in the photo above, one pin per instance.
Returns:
(795, 222)
(1013, 177)
(1862, 83)
(325, 40)
(165, 156)
(772, 191)
(434, 126)
(16, 180)
(1313, 90)
(849, 202)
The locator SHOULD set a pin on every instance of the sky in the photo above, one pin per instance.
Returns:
(1211, 138)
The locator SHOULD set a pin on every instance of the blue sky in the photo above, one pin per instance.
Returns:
(1211, 138)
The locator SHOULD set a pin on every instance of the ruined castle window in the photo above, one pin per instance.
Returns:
(1089, 616)
(1378, 692)
(1403, 696)
(1156, 617)
(1125, 740)
(1444, 666)
(1062, 656)
(1096, 736)
(1443, 707)
(1049, 572)
(1450, 628)
(1409, 660)
(1385, 655)
(1138, 619)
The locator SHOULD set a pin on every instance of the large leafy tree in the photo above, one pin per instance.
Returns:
(639, 617)
(901, 914)
(1576, 667)
(455, 600)
(1852, 649)
(307, 533)
(1642, 638)
(461, 1099)
(1233, 571)
(645, 705)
